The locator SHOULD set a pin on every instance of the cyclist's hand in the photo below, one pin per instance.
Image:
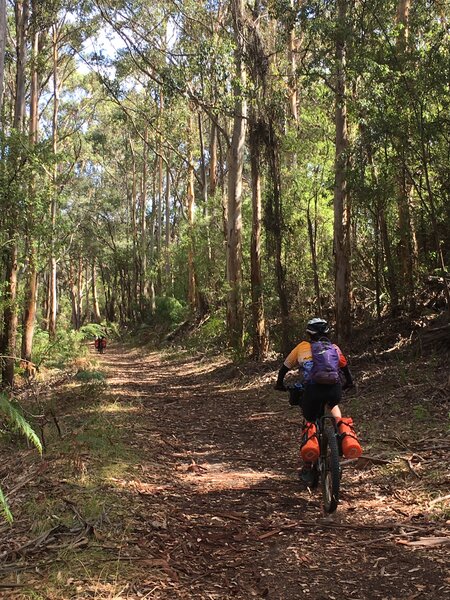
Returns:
(280, 387)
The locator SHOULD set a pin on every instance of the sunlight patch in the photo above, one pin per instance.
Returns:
(117, 407)
(228, 480)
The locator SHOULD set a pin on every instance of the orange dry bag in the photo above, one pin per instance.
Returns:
(351, 448)
(310, 445)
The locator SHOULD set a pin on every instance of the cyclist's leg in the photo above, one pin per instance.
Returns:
(312, 408)
(334, 395)
(312, 403)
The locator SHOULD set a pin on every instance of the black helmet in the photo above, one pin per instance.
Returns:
(317, 325)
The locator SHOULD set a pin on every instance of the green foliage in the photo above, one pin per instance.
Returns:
(57, 353)
(421, 413)
(17, 423)
(86, 375)
(169, 310)
(4, 509)
(92, 330)
(211, 336)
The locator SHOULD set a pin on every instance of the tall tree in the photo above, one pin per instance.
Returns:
(235, 314)
(341, 195)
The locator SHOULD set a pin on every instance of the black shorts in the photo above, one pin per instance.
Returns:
(316, 396)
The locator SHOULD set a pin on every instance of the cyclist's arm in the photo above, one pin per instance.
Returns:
(348, 377)
(281, 374)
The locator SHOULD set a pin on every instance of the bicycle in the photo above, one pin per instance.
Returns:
(327, 467)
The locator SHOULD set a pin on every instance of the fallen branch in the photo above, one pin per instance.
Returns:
(410, 467)
(426, 542)
(440, 499)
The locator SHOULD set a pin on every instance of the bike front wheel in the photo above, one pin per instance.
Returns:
(331, 470)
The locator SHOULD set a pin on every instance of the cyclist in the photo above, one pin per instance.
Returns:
(318, 390)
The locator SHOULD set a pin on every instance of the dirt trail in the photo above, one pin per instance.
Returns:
(178, 480)
(215, 510)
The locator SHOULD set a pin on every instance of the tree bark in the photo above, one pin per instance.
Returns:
(312, 234)
(134, 223)
(213, 160)
(275, 228)
(3, 35)
(10, 313)
(192, 288)
(29, 316)
(167, 228)
(341, 196)
(73, 297)
(52, 307)
(143, 218)
(404, 218)
(235, 309)
(95, 305)
(260, 338)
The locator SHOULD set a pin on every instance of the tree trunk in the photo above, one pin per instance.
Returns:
(73, 297)
(213, 160)
(204, 191)
(275, 227)
(160, 204)
(10, 315)
(52, 308)
(260, 338)
(80, 292)
(235, 309)
(312, 234)
(95, 306)
(192, 289)
(293, 93)
(134, 224)
(29, 316)
(86, 294)
(341, 196)
(167, 227)
(404, 217)
(143, 218)
(3, 35)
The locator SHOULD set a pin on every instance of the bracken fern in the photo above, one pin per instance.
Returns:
(18, 423)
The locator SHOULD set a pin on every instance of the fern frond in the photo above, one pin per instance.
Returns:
(4, 508)
(17, 420)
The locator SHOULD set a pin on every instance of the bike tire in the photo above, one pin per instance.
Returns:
(331, 470)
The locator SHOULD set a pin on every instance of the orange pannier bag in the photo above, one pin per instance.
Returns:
(309, 448)
(351, 448)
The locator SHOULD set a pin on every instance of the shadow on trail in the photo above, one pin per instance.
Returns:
(216, 498)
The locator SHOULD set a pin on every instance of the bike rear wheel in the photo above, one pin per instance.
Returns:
(331, 471)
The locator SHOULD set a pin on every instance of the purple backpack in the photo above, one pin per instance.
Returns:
(325, 363)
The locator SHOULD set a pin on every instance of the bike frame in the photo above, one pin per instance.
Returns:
(328, 468)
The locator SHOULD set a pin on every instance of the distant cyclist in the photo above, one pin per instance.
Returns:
(323, 367)
(100, 343)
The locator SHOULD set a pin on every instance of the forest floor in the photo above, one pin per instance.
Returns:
(176, 478)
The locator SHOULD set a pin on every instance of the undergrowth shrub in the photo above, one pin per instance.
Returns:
(87, 375)
(12, 421)
(211, 335)
(169, 311)
(57, 353)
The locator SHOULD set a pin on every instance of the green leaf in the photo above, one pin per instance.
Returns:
(18, 422)
(4, 508)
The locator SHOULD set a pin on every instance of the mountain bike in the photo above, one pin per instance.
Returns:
(326, 469)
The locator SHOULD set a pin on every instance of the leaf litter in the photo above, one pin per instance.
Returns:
(204, 500)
